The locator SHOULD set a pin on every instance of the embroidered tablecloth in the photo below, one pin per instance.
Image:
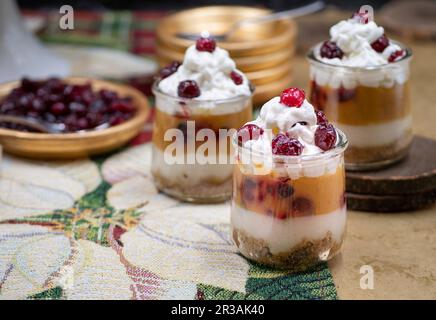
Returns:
(98, 228)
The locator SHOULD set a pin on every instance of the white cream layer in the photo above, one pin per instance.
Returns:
(282, 235)
(376, 135)
(337, 77)
(189, 174)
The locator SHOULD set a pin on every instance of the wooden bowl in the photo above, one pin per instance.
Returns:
(250, 40)
(76, 145)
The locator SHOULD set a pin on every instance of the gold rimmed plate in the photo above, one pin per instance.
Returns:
(79, 144)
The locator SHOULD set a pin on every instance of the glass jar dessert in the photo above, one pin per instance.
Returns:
(360, 79)
(288, 206)
(204, 95)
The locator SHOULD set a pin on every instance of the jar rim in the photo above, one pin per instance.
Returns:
(340, 147)
(311, 57)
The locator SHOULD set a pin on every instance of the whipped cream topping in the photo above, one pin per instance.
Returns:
(298, 123)
(354, 39)
(211, 71)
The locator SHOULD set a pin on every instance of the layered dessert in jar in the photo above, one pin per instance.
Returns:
(288, 205)
(205, 94)
(360, 79)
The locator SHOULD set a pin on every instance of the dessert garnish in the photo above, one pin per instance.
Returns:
(325, 136)
(188, 89)
(380, 44)
(169, 69)
(211, 68)
(396, 55)
(236, 77)
(358, 42)
(330, 50)
(76, 106)
(249, 132)
(285, 146)
(292, 97)
(289, 126)
(205, 44)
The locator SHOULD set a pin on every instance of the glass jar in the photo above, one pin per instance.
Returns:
(370, 105)
(289, 212)
(181, 165)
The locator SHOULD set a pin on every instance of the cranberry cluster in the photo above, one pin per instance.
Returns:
(283, 144)
(76, 106)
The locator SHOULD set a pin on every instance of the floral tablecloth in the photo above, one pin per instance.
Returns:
(98, 228)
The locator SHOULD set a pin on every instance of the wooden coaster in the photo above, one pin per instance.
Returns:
(414, 174)
(410, 19)
(390, 203)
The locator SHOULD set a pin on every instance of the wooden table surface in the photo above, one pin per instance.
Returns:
(400, 247)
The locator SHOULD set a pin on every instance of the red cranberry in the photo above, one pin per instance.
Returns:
(282, 215)
(346, 94)
(292, 97)
(380, 44)
(188, 89)
(77, 108)
(58, 108)
(285, 190)
(82, 123)
(29, 85)
(282, 145)
(325, 137)
(122, 106)
(321, 117)
(116, 120)
(37, 105)
(302, 207)
(236, 77)
(395, 55)
(205, 44)
(330, 50)
(249, 132)
(248, 188)
(169, 69)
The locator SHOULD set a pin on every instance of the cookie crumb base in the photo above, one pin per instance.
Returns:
(301, 257)
(203, 192)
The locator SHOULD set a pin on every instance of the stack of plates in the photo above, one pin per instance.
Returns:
(264, 52)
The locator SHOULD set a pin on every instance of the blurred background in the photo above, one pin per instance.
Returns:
(129, 41)
(183, 4)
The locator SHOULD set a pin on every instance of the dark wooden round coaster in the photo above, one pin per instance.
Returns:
(390, 203)
(410, 19)
(416, 174)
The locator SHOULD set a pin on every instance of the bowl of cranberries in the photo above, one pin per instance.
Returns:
(82, 116)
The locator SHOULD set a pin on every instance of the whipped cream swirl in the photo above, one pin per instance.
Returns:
(298, 123)
(354, 39)
(211, 71)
